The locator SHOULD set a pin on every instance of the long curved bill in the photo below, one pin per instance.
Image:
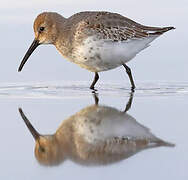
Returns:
(33, 131)
(33, 46)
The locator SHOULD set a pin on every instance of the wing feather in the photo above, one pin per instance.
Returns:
(113, 26)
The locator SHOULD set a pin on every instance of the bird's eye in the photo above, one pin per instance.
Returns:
(42, 29)
(41, 149)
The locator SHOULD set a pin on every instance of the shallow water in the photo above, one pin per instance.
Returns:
(159, 103)
(63, 89)
(161, 107)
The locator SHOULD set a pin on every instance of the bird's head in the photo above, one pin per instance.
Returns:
(46, 29)
(48, 150)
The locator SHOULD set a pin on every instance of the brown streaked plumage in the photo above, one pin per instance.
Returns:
(97, 41)
(96, 135)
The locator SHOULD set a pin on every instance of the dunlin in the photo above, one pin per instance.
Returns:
(93, 136)
(96, 41)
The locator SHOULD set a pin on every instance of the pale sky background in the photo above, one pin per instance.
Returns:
(164, 60)
(164, 113)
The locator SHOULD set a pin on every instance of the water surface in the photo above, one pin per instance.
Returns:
(160, 107)
(160, 101)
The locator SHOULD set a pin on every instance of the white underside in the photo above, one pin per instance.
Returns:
(102, 123)
(101, 55)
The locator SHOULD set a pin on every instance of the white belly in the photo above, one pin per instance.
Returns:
(101, 55)
(100, 123)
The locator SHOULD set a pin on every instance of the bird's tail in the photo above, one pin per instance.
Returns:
(165, 143)
(160, 31)
(159, 142)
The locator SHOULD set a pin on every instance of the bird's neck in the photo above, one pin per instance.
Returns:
(64, 137)
(64, 40)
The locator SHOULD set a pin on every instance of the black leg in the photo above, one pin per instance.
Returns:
(128, 70)
(95, 95)
(129, 103)
(94, 81)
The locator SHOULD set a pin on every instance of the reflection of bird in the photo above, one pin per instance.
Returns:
(96, 41)
(93, 136)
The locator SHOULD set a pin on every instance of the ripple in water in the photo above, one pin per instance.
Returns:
(58, 90)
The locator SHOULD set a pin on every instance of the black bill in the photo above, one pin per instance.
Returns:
(33, 46)
(33, 131)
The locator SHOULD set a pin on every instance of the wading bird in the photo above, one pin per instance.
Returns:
(96, 135)
(96, 41)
